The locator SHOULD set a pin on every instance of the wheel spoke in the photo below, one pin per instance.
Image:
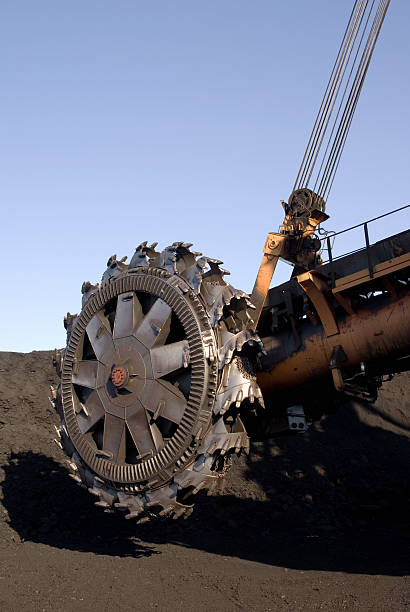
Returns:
(154, 328)
(114, 437)
(85, 373)
(169, 358)
(99, 334)
(127, 316)
(163, 399)
(146, 438)
(92, 412)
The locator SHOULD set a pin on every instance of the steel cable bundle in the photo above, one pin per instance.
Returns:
(337, 107)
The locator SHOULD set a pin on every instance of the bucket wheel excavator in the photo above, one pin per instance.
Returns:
(168, 368)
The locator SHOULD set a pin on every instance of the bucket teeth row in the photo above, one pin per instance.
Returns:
(229, 313)
(233, 343)
(236, 386)
(219, 439)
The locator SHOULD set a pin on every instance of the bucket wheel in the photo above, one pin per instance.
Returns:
(152, 381)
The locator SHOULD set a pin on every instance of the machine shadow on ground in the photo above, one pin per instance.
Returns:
(335, 499)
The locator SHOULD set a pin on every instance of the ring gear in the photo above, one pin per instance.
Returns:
(152, 383)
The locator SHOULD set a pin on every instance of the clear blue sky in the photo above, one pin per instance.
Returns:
(186, 120)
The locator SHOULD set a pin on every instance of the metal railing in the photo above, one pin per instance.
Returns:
(332, 235)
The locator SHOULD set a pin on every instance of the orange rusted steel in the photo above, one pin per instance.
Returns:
(273, 249)
(377, 331)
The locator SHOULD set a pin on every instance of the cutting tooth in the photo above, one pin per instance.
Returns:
(166, 511)
(198, 487)
(188, 513)
(251, 394)
(94, 491)
(76, 478)
(121, 505)
(225, 446)
(72, 465)
(151, 504)
(53, 391)
(258, 394)
(142, 520)
(58, 431)
(226, 406)
(102, 504)
(178, 513)
(133, 515)
(239, 398)
(58, 443)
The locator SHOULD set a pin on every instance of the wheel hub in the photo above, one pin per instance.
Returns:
(119, 376)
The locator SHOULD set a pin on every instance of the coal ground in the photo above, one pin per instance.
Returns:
(312, 522)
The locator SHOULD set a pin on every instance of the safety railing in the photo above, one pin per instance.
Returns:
(330, 236)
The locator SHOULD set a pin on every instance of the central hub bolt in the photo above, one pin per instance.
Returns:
(119, 376)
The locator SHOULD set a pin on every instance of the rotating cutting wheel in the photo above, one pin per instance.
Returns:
(152, 383)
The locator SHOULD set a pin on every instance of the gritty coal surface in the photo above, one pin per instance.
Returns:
(329, 504)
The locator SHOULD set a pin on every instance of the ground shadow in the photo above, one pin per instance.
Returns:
(336, 499)
(44, 505)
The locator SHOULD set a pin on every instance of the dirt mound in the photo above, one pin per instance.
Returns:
(335, 499)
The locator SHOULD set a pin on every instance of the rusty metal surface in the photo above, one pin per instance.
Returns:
(382, 329)
(274, 248)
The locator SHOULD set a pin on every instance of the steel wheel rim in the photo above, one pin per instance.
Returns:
(197, 412)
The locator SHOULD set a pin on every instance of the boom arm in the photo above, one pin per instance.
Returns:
(296, 241)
